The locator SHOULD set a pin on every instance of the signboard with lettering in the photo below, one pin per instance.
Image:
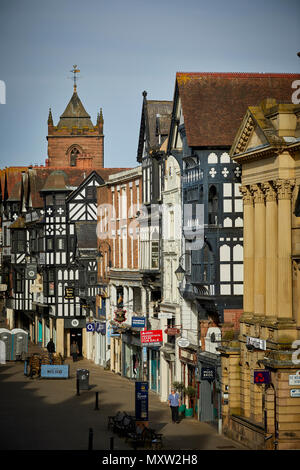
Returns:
(172, 331)
(151, 336)
(208, 373)
(294, 379)
(295, 393)
(90, 327)
(69, 292)
(141, 401)
(257, 343)
(49, 371)
(138, 322)
(262, 377)
(183, 342)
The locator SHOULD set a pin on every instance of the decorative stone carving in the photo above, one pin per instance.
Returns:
(284, 188)
(270, 191)
(258, 194)
(246, 194)
(296, 268)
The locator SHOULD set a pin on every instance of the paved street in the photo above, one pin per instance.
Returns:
(41, 414)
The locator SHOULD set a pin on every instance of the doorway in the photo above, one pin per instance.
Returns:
(76, 335)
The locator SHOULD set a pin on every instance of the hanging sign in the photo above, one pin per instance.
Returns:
(90, 327)
(257, 343)
(138, 322)
(183, 342)
(120, 315)
(262, 377)
(172, 331)
(208, 373)
(151, 336)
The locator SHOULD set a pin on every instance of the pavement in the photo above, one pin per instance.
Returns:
(47, 414)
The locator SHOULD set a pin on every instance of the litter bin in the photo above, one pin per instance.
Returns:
(83, 376)
(6, 337)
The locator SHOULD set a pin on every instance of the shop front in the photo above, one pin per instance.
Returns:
(132, 356)
(154, 368)
(209, 402)
(188, 360)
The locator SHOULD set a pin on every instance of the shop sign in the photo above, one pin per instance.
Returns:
(190, 357)
(141, 401)
(120, 315)
(208, 373)
(167, 315)
(101, 327)
(75, 323)
(69, 292)
(262, 377)
(151, 336)
(294, 379)
(183, 342)
(295, 393)
(54, 371)
(257, 343)
(172, 331)
(90, 327)
(138, 322)
(31, 272)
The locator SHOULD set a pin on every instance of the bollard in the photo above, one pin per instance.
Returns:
(91, 435)
(97, 404)
(111, 444)
(77, 386)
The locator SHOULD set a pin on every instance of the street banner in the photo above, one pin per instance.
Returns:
(90, 327)
(141, 401)
(151, 336)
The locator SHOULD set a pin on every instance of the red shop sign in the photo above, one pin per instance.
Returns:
(151, 336)
(172, 331)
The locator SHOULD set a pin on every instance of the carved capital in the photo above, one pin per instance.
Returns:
(246, 194)
(270, 191)
(258, 194)
(285, 188)
(296, 268)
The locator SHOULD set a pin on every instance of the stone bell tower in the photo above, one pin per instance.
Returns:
(75, 141)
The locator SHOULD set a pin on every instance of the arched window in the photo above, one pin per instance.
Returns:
(212, 205)
(73, 156)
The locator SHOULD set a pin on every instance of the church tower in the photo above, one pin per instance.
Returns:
(75, 141)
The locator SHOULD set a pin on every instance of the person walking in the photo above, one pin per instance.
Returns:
(174, 402)
(51, 348)
(74, 351)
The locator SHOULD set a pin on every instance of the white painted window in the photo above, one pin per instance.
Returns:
(225, 289)
(212, 158)
(239, 222)
(238, 273)
(225, 273)
(227, 205)
(225, 158)
(238, 205)
(227, 189)
(238, 253)
(238, 289)
(225, 253)
(228, 222)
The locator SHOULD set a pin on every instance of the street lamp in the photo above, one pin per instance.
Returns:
(180, 271)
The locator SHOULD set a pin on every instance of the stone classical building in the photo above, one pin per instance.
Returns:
(260, 378)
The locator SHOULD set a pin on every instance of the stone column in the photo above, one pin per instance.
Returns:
(259, 250)
(296, 291)
(248, 250)
(271, 249)
(60, 336)
(284, 194)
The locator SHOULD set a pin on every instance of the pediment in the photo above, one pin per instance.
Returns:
(249, 136)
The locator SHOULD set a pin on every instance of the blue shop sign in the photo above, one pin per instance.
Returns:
(90, 327)
(141, 401)
(138, 322)
(54, 371)
(101, 327)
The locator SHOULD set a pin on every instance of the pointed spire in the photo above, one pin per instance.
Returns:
(100, 120)
(50, 119)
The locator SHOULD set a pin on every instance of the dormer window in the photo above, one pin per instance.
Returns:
(73, 157)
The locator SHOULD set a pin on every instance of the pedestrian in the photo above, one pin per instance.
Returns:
(51, 348)
(74, 351)
(174, 402)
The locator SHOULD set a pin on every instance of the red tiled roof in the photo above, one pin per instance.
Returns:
(214, 104)
(39, 175)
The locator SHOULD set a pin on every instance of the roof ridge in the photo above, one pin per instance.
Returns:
(240, 74)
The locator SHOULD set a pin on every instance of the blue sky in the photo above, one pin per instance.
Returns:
(122, 48)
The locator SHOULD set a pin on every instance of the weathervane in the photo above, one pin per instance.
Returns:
(75, 71)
